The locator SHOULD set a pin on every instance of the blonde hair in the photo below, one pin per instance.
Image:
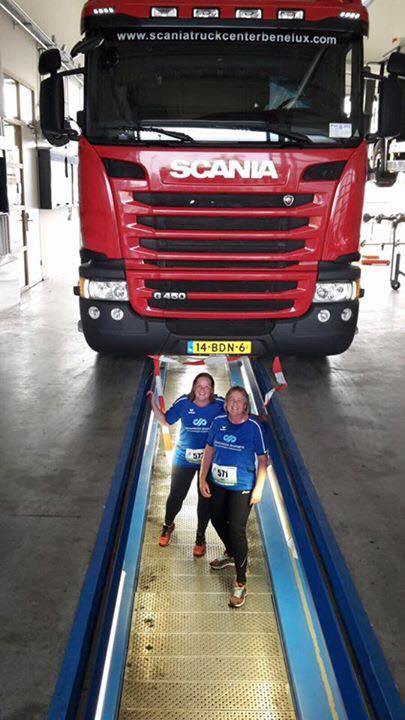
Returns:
(238, 388)
(191, 395)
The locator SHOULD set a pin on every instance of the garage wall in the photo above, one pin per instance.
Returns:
(61, 19)
(387, 21)
(18, 52)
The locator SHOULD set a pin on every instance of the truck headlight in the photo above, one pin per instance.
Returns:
(327, 292)
(104, 289)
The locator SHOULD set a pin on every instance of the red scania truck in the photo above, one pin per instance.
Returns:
(222, 166)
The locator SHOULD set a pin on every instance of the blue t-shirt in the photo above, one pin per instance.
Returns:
(195, 425)
(235, 449)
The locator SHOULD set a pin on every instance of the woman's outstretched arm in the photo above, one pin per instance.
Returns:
(261, 475)
(204, 470)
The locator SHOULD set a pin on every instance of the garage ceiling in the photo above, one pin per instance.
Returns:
(62, 19)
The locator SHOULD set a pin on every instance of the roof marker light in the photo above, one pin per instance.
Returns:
(164, 12)
(291, 15)
(248, 13)
(205, 12)
(350, 15)
(103, 11)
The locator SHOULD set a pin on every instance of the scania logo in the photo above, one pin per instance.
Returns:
(288, 200)
(229, 169)
(230, 438)
(200, 422)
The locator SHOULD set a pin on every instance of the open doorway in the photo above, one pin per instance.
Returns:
(22, 180)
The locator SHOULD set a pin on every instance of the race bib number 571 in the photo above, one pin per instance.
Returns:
(225, 474)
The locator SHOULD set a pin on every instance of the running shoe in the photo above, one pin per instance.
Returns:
(166, 534)
(200, 546)
(237, 599)
(222, 561)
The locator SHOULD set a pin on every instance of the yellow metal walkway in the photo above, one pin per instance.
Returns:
(190, 656)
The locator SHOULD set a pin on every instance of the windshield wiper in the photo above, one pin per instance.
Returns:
(169, 133)
(136, 128)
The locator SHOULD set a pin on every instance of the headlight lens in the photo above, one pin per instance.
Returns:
(105, 290)
(327, 292)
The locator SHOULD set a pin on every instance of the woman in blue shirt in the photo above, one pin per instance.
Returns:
(233, 481)
(196, 411)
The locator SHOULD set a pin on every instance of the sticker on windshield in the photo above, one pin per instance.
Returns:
(340, 130)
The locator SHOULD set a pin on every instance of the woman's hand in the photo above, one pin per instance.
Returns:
(256, 496)
(160, 416)
(204, 488)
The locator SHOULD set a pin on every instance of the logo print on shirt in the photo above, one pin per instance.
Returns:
(230, 438)
(200, 422)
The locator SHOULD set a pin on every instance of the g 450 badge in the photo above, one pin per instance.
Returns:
(169, 295)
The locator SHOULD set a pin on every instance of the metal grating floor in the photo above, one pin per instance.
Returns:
(191, 657)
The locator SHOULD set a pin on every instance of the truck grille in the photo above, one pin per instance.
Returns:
(215, 223)
(221, 200)
(232, 257)
(228, 306)
(215, 286)
(185, 245)
(190, 264)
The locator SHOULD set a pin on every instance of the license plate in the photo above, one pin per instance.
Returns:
(219, 347)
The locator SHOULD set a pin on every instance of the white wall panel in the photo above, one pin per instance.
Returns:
(60, 18)
(387, 21)
(19, 55)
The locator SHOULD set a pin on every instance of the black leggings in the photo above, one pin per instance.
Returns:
(229, 515)
(180, 485)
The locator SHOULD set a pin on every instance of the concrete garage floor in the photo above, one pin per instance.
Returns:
(63, 414)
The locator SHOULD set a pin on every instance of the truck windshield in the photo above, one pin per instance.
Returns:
(227, 88)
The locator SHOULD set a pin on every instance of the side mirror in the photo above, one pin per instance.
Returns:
(396, 64)
(52, 110)
(391, 108)
(50, 61)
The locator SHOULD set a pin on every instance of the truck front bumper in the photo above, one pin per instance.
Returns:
(137, 336)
